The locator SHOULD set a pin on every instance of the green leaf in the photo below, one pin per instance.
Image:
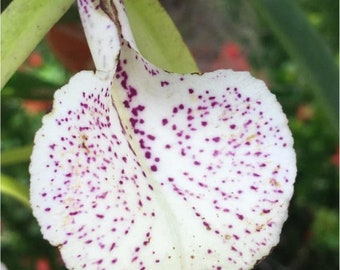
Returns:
(16, 155)
(297, 36)
(28, 86)
(157, 37)
(24, 24)
(325, 228)
(15, 189)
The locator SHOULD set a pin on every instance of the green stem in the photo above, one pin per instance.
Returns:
(13, 188)
(24, 24)
(16, 155)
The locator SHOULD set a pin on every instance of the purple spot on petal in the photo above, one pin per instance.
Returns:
(240, 216)
(164, 121)
(216, 139)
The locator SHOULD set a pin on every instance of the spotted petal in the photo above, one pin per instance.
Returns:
(220, 149)
(88, 191)
(170, 172)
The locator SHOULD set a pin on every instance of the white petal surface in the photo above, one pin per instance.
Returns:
(194, 172)
(101, 34)
(88, 192)
(219, 146)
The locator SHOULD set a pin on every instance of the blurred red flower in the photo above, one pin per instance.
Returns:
(305, 112)
(231, 56)
(35, 60)
(36, 106)
(42, 264)
(68, 43)
(335, 158)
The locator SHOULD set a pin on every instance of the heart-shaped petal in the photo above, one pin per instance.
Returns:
(182, 172)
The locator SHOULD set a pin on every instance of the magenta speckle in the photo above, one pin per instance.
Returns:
(147, 154)
(164, 83)
(164, 121)
(151, 137)
(240, 217)
(216, 139)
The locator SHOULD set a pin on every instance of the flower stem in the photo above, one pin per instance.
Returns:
(24, 24)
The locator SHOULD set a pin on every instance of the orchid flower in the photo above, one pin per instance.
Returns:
(140, 168)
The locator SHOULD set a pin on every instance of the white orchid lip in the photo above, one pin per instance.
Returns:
(139, 168)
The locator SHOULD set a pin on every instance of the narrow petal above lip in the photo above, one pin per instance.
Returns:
(101, 33)
(105, 22)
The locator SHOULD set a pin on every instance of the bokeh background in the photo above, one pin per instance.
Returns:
(220, 34)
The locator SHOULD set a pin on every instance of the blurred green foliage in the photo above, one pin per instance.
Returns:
(21, 242)
(310, 238)
(310, 235)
